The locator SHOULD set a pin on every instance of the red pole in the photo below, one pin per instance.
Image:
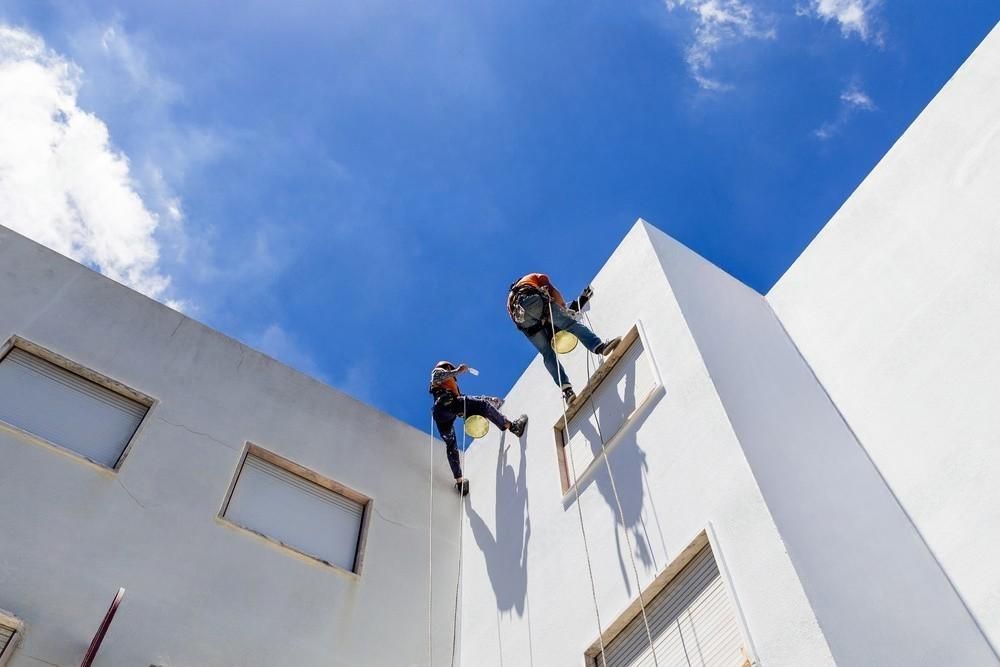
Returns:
(95, 644)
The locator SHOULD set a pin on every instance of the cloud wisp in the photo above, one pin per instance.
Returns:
(718, 24)
(855, 17)
(62, 182)
(853, 100)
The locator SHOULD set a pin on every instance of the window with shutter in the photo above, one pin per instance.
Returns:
(66, 409)
(298, 509)
(691, 620)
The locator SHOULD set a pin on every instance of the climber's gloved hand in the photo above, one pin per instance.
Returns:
(581, 301)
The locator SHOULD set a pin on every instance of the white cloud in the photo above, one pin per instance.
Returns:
(852, 101)
(719, 23)
(856, 98)
(62, 182)
(853, 16)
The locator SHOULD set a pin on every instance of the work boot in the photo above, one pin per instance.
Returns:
(605, 349)
(518, 425)
(462, 487)
(568, 394)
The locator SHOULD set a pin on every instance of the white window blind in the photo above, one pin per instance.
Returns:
(6, 638)
(691, 620)
(301, 514)
(66, 409)
(629, 384)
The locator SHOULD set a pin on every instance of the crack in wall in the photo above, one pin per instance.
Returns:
(200, 433)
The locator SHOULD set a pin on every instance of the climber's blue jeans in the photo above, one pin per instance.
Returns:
(536, 310)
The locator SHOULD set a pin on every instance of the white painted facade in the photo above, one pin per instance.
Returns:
(896, 308)
(836, 445)
(199, 590)
(838, 438)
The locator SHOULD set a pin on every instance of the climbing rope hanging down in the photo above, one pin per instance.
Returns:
(430, 555)
(621, 514)
(579, 509)
(461, 543)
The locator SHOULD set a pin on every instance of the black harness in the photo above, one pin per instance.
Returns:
(518, 292)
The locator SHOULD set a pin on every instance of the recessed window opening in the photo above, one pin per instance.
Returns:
(66, 409)
(691, 619)
(617, 391)
(298, 509)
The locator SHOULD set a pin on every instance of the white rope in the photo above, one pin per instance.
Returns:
(576, 487)
(461, 531)
(621, 514)
(430, 555)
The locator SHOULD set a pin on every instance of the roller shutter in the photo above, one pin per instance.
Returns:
(66, 409)
(691, 620)
(301, 514)
(6, 635)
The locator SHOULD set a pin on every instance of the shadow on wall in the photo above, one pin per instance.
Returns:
(628, 464)
(507, 553)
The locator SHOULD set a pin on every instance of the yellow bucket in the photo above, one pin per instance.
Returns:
(476, 426)
(564, 342)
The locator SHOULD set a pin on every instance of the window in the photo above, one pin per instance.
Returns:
(10, 634)
(622, 386)
(691, 620)
(297, 508)
(66, 409)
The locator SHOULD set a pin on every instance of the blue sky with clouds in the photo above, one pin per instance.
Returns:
(352, 186)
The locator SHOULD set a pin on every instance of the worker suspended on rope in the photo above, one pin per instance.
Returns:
(539, 310)
(450, 404)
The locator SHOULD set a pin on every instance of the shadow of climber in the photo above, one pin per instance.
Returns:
(506, 553)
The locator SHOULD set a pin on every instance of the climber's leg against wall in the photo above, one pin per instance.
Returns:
(565, 322)
(542, 340)
(445, 412)
(536, 313)
(485, 406)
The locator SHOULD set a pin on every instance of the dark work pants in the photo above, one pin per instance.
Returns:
(449, 408)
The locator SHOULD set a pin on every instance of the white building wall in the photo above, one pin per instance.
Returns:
(678, 468)
(878, 593)
(896, 307)
(200, 591)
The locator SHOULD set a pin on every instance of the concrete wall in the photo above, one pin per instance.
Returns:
(199, 591)
(678, 468)
(878, 594)
(896, 307)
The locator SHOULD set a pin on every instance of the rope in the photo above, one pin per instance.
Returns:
(621, 514)
(576, 487)
(430, 555)
(461, 531)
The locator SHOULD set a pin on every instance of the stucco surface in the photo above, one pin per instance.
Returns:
(678, 467)
(878, 594)
(200, 591)
(896, 307)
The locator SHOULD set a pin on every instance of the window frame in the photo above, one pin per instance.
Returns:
(308, 475)
(635, 334)
(86, 373)
(17, 625)
(706, 538)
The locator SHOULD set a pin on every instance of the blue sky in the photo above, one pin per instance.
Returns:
(351, 187)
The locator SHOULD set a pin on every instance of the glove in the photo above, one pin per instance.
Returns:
(579, 302)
